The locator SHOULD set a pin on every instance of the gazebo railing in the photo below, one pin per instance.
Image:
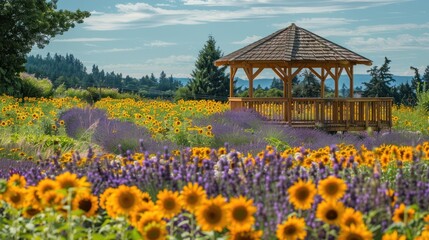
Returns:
(335, 113)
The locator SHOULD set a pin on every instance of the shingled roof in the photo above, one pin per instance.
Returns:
(293, 44)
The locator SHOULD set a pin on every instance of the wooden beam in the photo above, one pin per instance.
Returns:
(320, 76)
(233, 71)
(249, 74)
(322, 88)
(349, 71)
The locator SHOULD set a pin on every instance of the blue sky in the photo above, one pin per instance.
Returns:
(142, 37)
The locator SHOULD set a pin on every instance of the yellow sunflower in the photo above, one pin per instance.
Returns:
(32, 198)
(30, 212)
(212, 214)
(52, 199)
(240, 214)
(155, 231)
(17, 180)
(168, 203)
(351, 217)
(330, 212)
(301, 194)
(332, 188)
(291, 229)
(392, 196)
(105, 196)
(15, 196)
(148, 217)
(46, 185)
(85, 202)
(402, 214)
(135, 216)
(146, 197)
(125, 199)
(245, 235)
(355, 233)
(393, 236)
(423, 236)
(192, 196)
(70, 180)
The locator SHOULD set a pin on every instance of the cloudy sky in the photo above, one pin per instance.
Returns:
(147, 36)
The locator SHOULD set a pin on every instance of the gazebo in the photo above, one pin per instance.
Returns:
(287, 52)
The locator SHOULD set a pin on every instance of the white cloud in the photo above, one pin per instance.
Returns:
(177, 65)
(159, 43)
(114, 50)
(141, 15)
(402, 42)
(248, 40)
(96, 13)
(85, 40)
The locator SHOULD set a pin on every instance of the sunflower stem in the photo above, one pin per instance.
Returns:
(327, 227)
(70, 234)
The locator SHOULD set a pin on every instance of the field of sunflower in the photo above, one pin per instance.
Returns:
(274, 184)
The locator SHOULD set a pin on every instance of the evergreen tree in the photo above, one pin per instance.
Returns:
(164, 82)
(208, 81)
(416, 81)
(379, 85)
(310, 86)
(426, 78)
(277, 83)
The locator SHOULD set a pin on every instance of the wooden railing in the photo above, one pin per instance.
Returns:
(330, 113)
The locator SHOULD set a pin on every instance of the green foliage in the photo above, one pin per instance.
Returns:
(208, 81)
(25, 23)
(182, 93)
(379, 85)
(33, 87)
(308, 87)
(423, 99)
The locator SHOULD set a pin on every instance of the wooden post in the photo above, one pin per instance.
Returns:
(351, 82)
(233, 71)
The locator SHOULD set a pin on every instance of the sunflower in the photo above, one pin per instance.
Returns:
(351, 217)
(330, 212)
(30, 212)
(168, 203)
(154, 231)
(135, 216)
(192, 196)
(355, 233)
(148, 217)
(146, 197)
(105, 196)
(292, 228)
(85, 202)
(423, 236)
(46, 185)
(245, 235)
(400, 216)
(240, 214)
(393, 236)
(17, 181)
(125, 199)
(392, 196)
(70, 180)
(32, 198)
(332, 188)
(15, 196)
(212, 214)
(52, 199)
(301, 194)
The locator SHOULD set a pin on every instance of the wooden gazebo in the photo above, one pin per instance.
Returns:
(287, 52)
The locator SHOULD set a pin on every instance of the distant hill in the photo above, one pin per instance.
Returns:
(359, 79)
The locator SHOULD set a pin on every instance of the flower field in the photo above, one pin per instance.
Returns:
(126, 169)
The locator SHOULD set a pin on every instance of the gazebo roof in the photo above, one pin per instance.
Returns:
(293, 44)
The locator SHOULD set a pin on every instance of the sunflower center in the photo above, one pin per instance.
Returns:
(401, 216)
(290, 230)
(85, 205)
(213, 214)
(332, 188)
(126, 200)
(331, 215)
(15, 198)
(302, 193)
(169, 204)
(192, 199)
(31, 212)
(244, 236)
(47, 188)
(153, 233)
(354, 236)
(240, 213)
(68, 184)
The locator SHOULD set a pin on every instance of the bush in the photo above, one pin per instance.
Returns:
(34, 87)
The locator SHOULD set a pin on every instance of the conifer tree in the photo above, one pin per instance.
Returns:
(379, 85)
(208, 81)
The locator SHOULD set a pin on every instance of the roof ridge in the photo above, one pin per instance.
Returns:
(260, 43)
(291, 36)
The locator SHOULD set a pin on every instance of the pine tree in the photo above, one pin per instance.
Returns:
(425, 78)
(310, 85)
(379, 85)
(208, 81)
(416, 81)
